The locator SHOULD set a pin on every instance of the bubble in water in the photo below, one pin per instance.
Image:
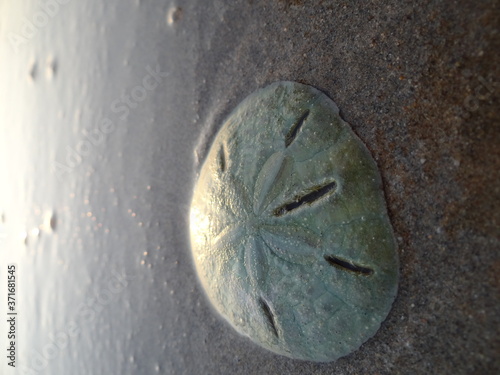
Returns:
(33, 71)
(24, 237)
(49, 223)
(51, 67)
(174, 15)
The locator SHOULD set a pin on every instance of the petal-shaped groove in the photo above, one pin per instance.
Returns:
(292, 134)
(268, 314)
(309, 197)
(348, 266)
(222, 159)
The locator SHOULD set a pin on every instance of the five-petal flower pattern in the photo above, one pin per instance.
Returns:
(289, 228)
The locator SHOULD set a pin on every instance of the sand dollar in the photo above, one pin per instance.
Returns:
(289, 227)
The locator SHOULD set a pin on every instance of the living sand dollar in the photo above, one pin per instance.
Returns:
(289, 227)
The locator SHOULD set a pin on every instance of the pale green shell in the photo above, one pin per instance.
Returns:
(289, 227)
